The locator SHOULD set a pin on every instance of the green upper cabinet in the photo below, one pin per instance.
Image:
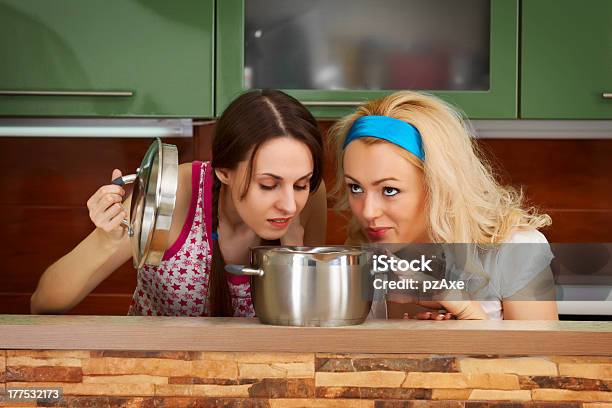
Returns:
(333, 55)
(566, 67)
(119, 58)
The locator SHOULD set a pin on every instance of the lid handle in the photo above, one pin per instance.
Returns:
(121, 181)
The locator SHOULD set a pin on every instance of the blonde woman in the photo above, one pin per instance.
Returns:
(410, 173)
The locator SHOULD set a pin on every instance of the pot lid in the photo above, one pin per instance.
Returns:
(152, 205)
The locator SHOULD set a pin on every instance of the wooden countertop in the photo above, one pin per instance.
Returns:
(242, 334)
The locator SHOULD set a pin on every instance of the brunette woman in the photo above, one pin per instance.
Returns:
(263, 186)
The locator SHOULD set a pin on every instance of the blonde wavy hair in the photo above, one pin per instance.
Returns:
(465, 203)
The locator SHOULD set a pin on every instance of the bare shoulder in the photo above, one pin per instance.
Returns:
(184, 179)
(183, 189)
(185, 169)
(183, 200)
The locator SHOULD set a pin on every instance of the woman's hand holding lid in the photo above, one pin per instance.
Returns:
(106, 210)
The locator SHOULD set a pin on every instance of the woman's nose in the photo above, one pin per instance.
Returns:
(371, 207)
(286, 201)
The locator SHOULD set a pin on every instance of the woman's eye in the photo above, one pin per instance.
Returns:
(266, 187)
(304, 187)
(390, 191)
(355, 188)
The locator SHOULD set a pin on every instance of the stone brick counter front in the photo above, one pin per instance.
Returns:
(136, 375)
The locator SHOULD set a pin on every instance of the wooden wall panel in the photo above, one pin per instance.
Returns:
(571, 180)
(44, 187)
(579, 226)
(95, 304)
(556, 174)
(46, 234)
(67, 171)
(45, 183)
(202, 140)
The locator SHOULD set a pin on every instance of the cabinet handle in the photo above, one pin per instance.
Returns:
(332, 103)
(66, 93)
(607, 95)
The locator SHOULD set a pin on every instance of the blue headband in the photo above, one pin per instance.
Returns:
(390, 129)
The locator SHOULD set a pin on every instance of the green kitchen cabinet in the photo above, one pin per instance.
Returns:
(333, 55)
(107, 58)
(566, 67)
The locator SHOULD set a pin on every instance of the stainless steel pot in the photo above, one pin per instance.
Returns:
(310, 286)
(153, 200)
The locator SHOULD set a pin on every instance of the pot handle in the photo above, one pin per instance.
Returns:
(374, 273)
(242, 270)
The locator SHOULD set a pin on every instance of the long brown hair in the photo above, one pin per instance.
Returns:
(250, 120)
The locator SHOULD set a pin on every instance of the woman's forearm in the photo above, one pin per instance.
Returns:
(67, 281)
(530, 310)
